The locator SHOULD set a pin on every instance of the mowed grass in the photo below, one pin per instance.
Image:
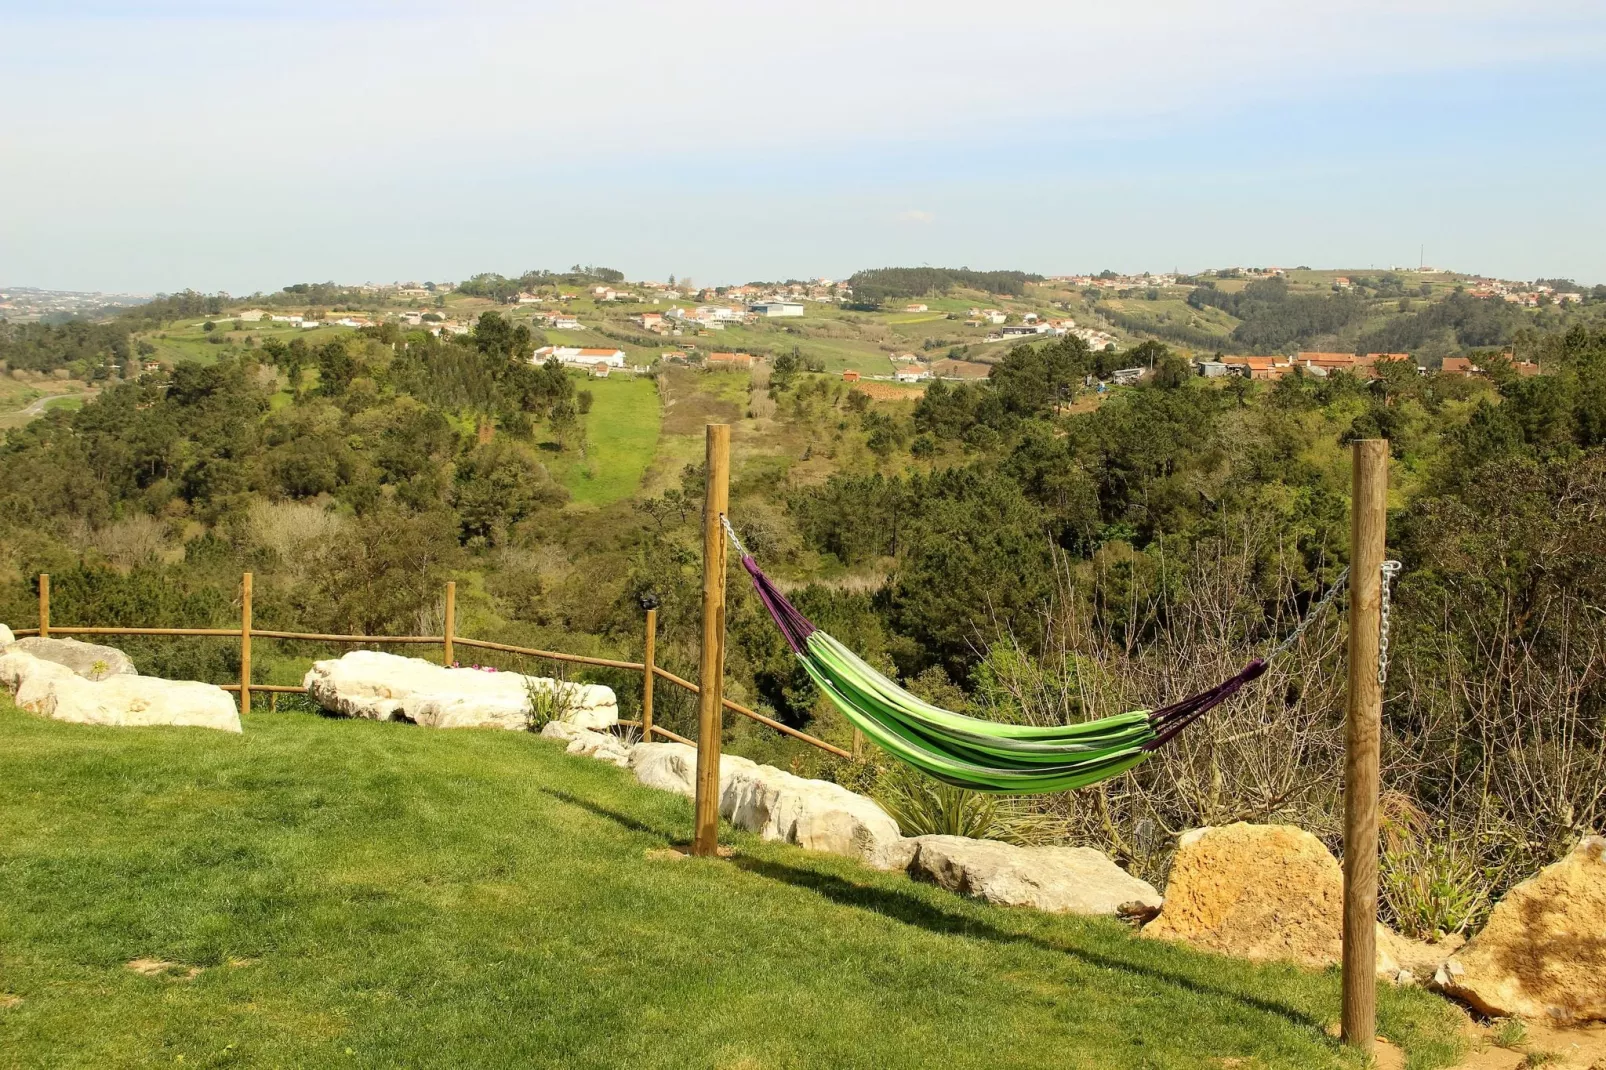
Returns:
(381, 895)
(621, 436)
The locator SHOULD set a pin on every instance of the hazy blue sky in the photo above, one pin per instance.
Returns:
(245, 145)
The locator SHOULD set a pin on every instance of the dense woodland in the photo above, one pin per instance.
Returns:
(1006, 548)
(872, 287)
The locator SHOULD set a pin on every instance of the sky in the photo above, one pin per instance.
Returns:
(241, 146)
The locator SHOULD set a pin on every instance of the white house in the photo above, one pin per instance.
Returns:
(775, 309)
(910, 373)
(579, 357)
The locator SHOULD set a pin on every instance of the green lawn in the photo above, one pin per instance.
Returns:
(621, 436)
(380, 895)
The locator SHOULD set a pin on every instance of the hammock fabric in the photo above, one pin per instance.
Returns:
(971, 753)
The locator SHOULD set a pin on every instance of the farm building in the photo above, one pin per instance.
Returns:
(776, 309)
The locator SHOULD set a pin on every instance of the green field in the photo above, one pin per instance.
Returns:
(351, 893)
(189, 341)
(621, 437)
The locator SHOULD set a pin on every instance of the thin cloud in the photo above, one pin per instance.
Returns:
(915, 215)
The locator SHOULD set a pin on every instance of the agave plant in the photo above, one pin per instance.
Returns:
(925, 807)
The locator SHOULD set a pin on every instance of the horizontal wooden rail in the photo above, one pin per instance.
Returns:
(68, 629)
(660, 730)
(736, 707)
(552, 654)
(320, 637)
(245, 633)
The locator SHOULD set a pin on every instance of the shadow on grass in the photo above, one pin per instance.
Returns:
(612, 815)
(911, 910)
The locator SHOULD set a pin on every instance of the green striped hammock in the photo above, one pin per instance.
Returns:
(969, 752)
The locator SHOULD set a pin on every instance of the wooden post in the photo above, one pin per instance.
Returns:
(450, 625)
(646, 679)
(245, 644)
(711, 664)
(44, 605)
(1362, 732)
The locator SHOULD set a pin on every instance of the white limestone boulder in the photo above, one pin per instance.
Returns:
(602, 746)
(28, 678)
(814, 814)
(387, 687)
(6, 636)
(1065, 880)
(53, 690)
(673, 767)
(89, 660)
(817, 815)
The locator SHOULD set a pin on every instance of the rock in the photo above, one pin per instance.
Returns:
(814, 814)
(89, 660)
(55, 691)
(673, 766)
(1065, 880)
(6, 637)
(1413, 959)
(1543, 952)
(588, 744)
(1260, 892)
(386, 687)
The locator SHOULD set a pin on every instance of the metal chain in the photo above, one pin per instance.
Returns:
(1310, 616)
(1390, 570)
(723, 519)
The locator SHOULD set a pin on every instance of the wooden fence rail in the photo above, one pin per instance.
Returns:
(447, 642)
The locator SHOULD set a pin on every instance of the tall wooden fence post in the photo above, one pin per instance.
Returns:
(245, 644)
(711, 664)
(44, 605)
(646, 680)
(1362, 732)
(450, 624)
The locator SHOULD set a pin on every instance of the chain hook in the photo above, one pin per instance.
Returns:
(734, 538)
(1390, 569)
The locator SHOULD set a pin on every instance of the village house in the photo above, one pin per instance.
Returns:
(1460, 366)
(652, 321)
(914, 308)
(730, 360)
(579, 357)
(1322, 364)
(776, 309)
(850, 376)
(910, 373)
(1267, 369)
